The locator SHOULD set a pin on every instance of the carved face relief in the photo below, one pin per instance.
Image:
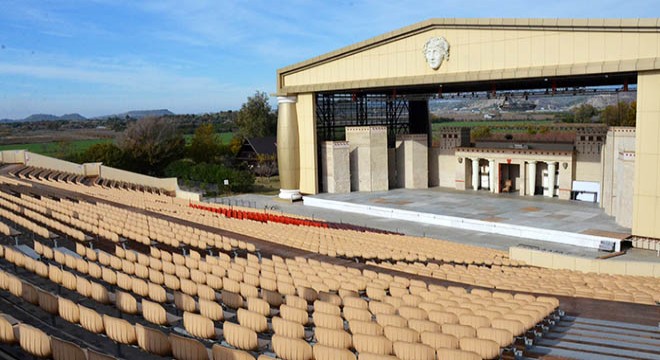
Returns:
(436, 50)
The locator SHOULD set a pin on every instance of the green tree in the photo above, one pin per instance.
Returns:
(150, 144)
(621, 114)
(480, 132)
(205, 145)
(107, 153)
(256, 118)
(584, 113)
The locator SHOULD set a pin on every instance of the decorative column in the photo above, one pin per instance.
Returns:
(475, 174)
(531, 166)
(552, 169)
(491, 175)
(288, 152)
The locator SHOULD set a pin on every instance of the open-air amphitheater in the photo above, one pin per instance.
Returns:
(99, 269)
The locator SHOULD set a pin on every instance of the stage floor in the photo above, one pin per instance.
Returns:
(538, 211)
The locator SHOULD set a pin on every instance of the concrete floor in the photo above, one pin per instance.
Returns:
(536, 212)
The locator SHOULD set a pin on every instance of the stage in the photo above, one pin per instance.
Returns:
(539, 218)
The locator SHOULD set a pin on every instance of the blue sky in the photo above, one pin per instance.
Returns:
(100, 57)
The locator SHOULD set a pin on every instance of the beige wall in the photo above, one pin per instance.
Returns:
(412, 161)
(617, 184)
(106, 172)
(12, 156)
(560, 261)
(306, 111)
(442, 167)
(527, 48)
(588, 168)
(41, 161)
(646, 190)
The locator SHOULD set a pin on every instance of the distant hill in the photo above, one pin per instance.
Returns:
(559, 103)
(74, 116)
(48, 117)
(135, 114)
(139, 114)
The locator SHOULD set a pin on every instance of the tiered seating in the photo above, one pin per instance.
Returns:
(426, 257)
(626, 288)
(292, 308)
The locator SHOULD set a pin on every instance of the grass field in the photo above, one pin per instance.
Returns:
(225, 137)
(53, 148)
(494, 123)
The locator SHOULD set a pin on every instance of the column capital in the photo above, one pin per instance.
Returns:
(287, 99)
(532, 162)
(549, 162)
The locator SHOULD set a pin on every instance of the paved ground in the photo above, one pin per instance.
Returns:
(537, 211)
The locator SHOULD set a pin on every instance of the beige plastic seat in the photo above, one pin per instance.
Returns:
(272, 297)
(294, 314)
(288, 328)
(370, 356)
(438, 340)
(48, 302)
(516, 327)
(184, 302)
(413, 351)
(184, 348)
(240, 337)
(65, 350)
(460, 331)
(502, 337)
(327, 321)
(475, 321)
(365, 327)
(258, 305)
(231, 299)
(322, 352)
(487, 349)
(372, 344)
(443, 317)
(119, 330)
(153, 341)
(222, 353)
(211, 310)
(355, 302)
(91, 320)
(377, 307)
(8, 329)
(198, 325)
(34, 341)
(455, 354)
(154, 312)
(424, 325)
(125, 302)
(327, 308)
(350, 313)
(291, 348)
(252, 320)
(394, 334)
(296, 301)
(335, 338)
(157, 293)
(391, 320)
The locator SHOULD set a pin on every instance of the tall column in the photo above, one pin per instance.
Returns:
(288, 152)
(552, 169)
(491, 175)
(531, 166)
(475, 174)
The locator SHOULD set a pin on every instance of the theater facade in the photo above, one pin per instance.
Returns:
(357, 119)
